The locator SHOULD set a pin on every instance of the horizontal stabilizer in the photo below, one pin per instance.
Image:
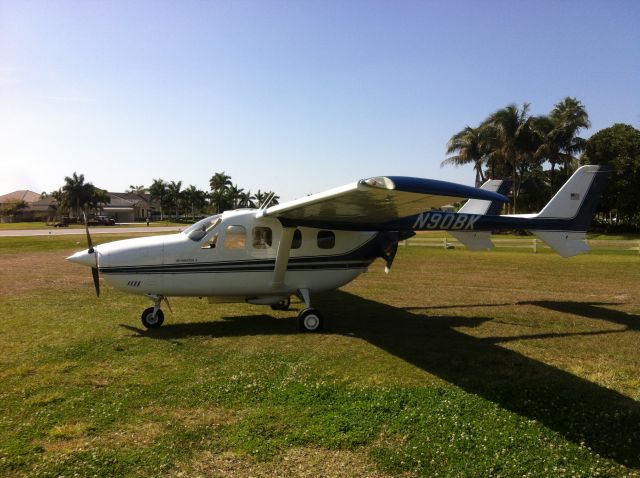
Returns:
(474, 240)
(565, 243)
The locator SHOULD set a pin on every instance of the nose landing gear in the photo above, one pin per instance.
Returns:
(153, 317)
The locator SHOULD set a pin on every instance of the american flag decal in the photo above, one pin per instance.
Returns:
(575, 196)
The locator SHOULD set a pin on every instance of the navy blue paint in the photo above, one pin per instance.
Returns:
(496, 206)
(443, 188)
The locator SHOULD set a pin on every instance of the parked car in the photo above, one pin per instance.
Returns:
(101, 221)
(63, 222)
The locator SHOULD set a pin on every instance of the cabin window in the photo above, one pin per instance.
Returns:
(261, 237)
(326, 239)
(296, 242)
(235, 237)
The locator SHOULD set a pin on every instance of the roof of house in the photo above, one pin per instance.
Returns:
(119, 202)
(21, 195)
(44, 205)
(137, 199)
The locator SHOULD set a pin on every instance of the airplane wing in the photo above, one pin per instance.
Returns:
(374, 201)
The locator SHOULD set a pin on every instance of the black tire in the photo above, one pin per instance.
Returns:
(282, 305)
(310, 320)
(151, 322)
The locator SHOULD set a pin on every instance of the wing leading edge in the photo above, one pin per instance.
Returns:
(374, 201)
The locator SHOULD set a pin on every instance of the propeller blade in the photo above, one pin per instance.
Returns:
(96, 279)
(94, 270)
(89, 241)
(390, 255)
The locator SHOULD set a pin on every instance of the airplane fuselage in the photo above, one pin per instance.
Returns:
(236, 260)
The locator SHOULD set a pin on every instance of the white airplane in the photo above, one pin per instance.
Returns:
(323, 241)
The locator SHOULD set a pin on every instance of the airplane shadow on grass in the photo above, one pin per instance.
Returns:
(602, 419)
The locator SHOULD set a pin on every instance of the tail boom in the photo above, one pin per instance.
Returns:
(562, 224)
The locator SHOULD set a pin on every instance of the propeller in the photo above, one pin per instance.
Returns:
(91, 250)
(389, 256)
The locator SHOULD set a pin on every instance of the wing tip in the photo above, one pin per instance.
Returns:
(380, 182)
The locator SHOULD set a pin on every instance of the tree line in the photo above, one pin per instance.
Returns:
(539, 153)
(511, 143)
(223, 195)
(78, 196)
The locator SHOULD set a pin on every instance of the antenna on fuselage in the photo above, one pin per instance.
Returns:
(268, 201)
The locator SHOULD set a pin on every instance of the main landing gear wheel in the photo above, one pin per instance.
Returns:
(151, 320)
(310, 320)
(283, 304)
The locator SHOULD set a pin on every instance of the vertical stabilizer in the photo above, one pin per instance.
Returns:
(565, 220)
(578, 197)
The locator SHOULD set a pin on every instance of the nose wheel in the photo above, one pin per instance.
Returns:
(152, 318)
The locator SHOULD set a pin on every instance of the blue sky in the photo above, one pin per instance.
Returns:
(293, 96)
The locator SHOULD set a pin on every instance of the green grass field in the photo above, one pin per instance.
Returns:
(456, 364)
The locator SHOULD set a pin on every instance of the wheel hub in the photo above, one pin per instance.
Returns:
(311, 321)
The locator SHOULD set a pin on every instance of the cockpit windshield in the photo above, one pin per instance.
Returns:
(197, 231)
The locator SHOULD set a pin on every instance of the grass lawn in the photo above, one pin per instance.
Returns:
(456, 364)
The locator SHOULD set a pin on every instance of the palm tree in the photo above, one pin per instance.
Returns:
(174, 195)
(559, 143)
(136, 189)
(246, 199)
(194, 199)
(220, 184)
(61, 199)
(274, 199)
(220, 181)
(98, 198)
(260, 198)
(569, 116)
(158, 192)
(76, 193)
(471, 146)
(217, 199)
(515, 142)
(234, 193)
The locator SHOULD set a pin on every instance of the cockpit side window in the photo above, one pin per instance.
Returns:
(235, 237)
(200, 229)
(211, 243)
(262, 237)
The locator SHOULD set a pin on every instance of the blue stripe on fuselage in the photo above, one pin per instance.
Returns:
(358, 258)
